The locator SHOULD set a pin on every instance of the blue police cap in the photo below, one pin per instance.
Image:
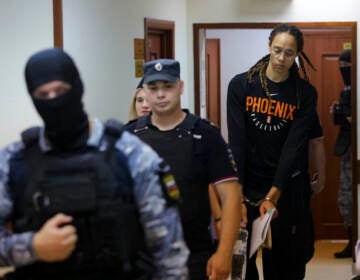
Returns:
(161, 70)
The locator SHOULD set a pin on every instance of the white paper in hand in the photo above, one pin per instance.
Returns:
(259, 230)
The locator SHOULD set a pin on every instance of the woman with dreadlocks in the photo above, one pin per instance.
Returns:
(270, 110)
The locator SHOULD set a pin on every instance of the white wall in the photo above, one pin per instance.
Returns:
(99, 35)
(25, 27)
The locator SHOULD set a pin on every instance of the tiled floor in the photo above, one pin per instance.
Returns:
(324, 266)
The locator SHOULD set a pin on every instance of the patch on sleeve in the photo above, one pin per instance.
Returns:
(171, 190)
(231, 158)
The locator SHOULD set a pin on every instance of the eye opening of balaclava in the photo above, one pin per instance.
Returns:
(66, 123)
(345, 71)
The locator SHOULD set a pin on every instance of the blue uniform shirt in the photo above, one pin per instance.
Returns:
(161, 223)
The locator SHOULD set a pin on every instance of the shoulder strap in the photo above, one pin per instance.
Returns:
(113, 131)
(30, 136)
(113, 128)
(190, 121)
(141, 124)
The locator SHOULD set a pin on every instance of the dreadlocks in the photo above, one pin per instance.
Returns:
(260, 66)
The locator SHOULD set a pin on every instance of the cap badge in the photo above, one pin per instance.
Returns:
(158, 66)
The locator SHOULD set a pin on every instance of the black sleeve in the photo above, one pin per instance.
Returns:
(345, 100)
(236, 121)
(316, 128)
(298, 135)
(221, 163)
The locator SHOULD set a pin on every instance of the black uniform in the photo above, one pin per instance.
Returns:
(198, 156)
(269, 139)
(343, 149)
(341, 112)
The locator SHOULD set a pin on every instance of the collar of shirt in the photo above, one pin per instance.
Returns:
(149, 123)
(97, 132)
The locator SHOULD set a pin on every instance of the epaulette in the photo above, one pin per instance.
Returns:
(190, 121)
(131, 121)
(141, 124)
(30, 135)
(210, 123)
(113, 131)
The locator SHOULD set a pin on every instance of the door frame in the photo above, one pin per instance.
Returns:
(58, 23)
(199, 30)
(215, 117)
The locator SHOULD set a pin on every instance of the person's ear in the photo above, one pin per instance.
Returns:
(181, 85)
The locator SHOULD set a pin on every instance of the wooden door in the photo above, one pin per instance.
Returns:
(213, 80)
(155, 49)
(323, 49)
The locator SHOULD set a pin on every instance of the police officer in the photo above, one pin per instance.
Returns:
(85, 200)
(341, 111)
(198, 156)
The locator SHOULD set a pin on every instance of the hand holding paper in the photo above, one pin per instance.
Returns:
(260, 228)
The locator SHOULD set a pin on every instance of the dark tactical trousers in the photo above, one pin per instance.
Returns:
(345, 188)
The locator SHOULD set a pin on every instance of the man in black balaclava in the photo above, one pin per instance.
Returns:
(66, 123)
(86, 200)
(345, 66)
(342, 116)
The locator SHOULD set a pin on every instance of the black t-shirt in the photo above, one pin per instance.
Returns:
(268, 135)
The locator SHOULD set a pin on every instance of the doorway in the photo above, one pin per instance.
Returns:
(159, 39)
(331, 224)
(324, 49)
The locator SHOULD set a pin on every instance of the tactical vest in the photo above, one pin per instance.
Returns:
(179, 148)
(94, 186)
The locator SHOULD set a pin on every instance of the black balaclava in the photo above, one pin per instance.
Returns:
(346, 71)
(66, 123)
